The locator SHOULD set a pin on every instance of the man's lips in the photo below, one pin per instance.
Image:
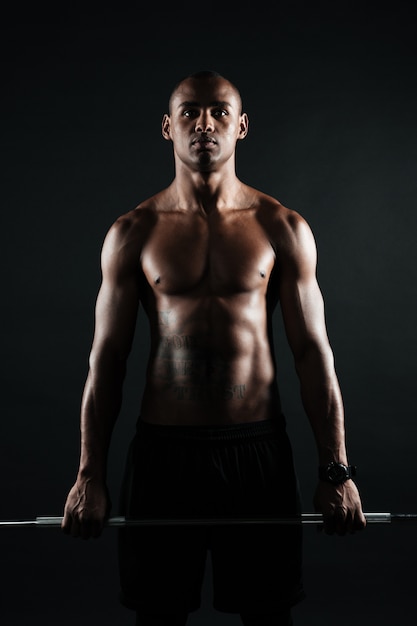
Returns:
(203, 141)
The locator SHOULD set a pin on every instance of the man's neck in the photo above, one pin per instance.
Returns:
(206, 191)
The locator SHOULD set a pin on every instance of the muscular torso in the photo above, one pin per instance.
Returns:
(205, 286)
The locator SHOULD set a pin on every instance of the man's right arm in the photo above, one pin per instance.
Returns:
(88, 504)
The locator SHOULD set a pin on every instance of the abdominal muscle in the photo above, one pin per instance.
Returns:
(209, 364)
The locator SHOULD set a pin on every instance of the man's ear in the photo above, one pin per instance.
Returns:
(243, 126)
(166, 127)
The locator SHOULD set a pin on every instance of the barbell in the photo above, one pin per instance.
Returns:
(120, 522)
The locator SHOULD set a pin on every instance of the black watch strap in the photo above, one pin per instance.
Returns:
(336, 473)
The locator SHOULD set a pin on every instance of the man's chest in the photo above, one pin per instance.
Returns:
(222, 254)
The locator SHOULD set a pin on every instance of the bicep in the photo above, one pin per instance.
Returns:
(302, 309)
(115, 316)
(301, 299)
(117, 301)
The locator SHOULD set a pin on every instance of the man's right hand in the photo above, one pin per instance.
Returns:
(86, 510)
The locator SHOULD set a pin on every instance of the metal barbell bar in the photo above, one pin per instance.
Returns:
(304, 518)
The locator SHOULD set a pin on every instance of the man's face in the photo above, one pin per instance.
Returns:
(205, 123)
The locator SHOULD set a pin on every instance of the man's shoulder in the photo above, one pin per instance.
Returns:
(279, 221)
(135, 223)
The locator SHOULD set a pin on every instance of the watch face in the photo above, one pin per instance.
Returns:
(337, 473)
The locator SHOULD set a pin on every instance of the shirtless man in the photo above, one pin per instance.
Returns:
(209, 258)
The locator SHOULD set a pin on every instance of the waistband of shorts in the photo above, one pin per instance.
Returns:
(228, 432)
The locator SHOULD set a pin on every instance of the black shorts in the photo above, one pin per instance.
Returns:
(243, 470)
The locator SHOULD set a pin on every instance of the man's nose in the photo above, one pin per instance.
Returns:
(204, 123)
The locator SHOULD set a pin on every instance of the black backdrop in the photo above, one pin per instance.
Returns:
(331, 93)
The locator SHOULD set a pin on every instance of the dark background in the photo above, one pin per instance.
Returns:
(331, 93)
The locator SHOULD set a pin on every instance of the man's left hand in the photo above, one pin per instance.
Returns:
(341, 507)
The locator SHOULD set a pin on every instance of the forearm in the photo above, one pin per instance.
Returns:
(101, 402)
(322, 401)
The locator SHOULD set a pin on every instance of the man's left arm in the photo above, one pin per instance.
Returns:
(304, 319)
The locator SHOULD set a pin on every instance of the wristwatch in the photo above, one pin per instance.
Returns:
(336, 473)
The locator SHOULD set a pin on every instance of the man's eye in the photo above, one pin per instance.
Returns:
(189, 113)
(219, 113)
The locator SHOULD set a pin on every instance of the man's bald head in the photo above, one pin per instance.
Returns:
(204, 75)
